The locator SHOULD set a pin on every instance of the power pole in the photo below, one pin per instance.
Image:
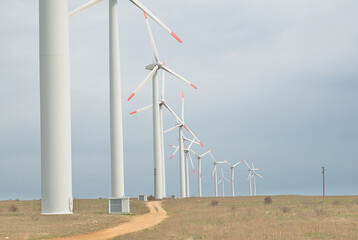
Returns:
(323, 170)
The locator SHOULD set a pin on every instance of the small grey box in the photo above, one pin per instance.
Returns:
(173, 196)
(119, 205)
(142, 197)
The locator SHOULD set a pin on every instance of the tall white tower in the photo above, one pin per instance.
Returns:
(56, 169)
(117, 171)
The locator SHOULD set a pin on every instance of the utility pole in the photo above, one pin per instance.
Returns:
(323, 170)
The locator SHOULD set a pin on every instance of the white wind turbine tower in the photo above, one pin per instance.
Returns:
(222, 182)
(56, 169)
(232, 167)
(199, 157)
(215, 175)
(251, 175)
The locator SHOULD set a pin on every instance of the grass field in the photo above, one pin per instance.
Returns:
(23, 220)
(287, 217)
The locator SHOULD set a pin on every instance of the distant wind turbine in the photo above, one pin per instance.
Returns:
(199, 157)
(232, 167)
(252, 174)
(222, 182)
(157, 114)
(215, 175)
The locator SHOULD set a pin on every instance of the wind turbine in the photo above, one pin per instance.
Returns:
(187, 156)
(199, 157)
(180, 124)
(157, 122)
(251, 175)
(232, 167)
(222, 181)
(215, 175)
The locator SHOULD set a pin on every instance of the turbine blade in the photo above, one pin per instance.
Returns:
(212, 175)
(142, 109)
(191, 161)
(202, 155)
(144, 82)
(84, 7)
(154, 47)
(173, 113)
(195, 137)
(171, 129)
(174, 152)
(150, 14)
(259, 175)
(178, 76)
(237, 163)
(197, 155)
(212, 157)
(247, 164)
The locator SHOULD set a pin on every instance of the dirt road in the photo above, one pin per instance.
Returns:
(136, 223)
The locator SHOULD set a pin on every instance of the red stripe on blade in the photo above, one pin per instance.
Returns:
(131, 96)
(176, 37)
(145, 15)
(133, 112)
(193, 86)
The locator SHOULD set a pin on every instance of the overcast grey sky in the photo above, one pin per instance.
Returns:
(277, 84)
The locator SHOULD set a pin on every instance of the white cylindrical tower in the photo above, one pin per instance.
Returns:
(157, 141)
(216, 181)
(181, 164)
(116, 128)
(162, 149)
(187, 192)
(232, 182)
(56, 169)
(199, 176)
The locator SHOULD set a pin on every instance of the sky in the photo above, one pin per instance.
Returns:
(277, 85)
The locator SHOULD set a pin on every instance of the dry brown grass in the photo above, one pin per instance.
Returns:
(287, 217)
(89, 215)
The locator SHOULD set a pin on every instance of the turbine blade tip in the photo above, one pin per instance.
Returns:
(145, 15)
(176, 37)
(193, 86)
(131, 96)
(133, 113)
